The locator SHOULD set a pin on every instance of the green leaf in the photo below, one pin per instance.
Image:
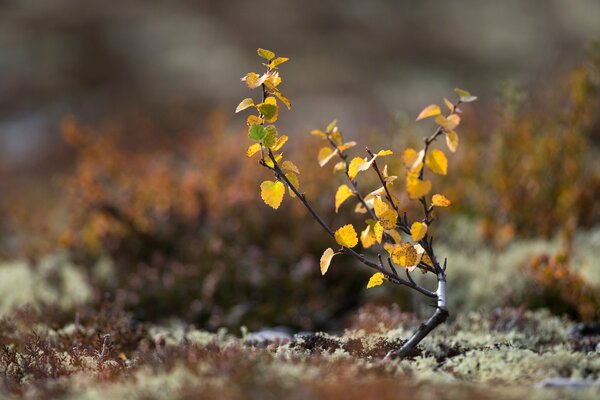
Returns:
(331, 125)
(256, 132)
(268, 54)
(269, 139)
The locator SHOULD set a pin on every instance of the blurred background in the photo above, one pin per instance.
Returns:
(123, 178)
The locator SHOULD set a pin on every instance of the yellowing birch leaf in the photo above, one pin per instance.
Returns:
(367, 237)
(281, 97)
(413, 159)
(375, 280)
(418, 230)
(342, 194)
(449, 104)
(278, 61)
(386, 214)
(325, 154)
(264, 53)
(360, 209)
(449, 123)
(326, 260)
(252, 150)
(253, 119)
(395, 235)
(272, 193)
(353, 167)
(269, 109)
(420, 251)
(383, 153)
(452, 140)
(253, 80)
(331, 125)
(429, 111)
(290, 166)
(273, 80)
(439, 200)
(378, 231)
(269, 162)
(339, 166)
(246, 103)
(281, 140)
(346, 236)
(293, 178)
(347, 146)
(416, 187)
(437, 162)
(316, 132)
(404, 254)
(337, 137)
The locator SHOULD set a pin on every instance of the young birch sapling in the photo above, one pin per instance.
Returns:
(385, 222)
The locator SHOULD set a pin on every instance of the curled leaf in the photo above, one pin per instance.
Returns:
(253, 80)
(452, 140)
(252, 150)
(278, 61)
(430, 111)
(246, 103)
(325, 154)
(326, 260)
(353, 168)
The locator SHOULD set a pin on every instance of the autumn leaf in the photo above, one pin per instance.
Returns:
(293, 178)
(386, 214)
(246, 103)
(253, 119)
(413, 159)
(317, 132)
(416, 187)
(269, 109)
(253, 80)
(403, 254)
(342, 194)
(272, 193)
(277, 61)
(378, 231)
(465, 96)
(353, 168)
(325, 154)
(252, 150)
(331, 125)
(375, 280)
(267, 54)
(449, 123)
(439, 200)
(282, 98)
(281, 140)
(326, 260)
(367, 237)
(452, 140)
(418, 230)
(346, 146)
(429, 111)
(346, 236)
(437, 162)
(449, 104)
(290, 166)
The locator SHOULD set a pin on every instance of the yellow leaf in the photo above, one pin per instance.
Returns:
(367, 238)
(272, 193)
(325, 154)
(346, 236)
(353, 167)
(420, 252)
(278, 61)
(418, 230)
(316, 132)
(347, 146)
(439, 200)
(416, 187)
(331, 125)
(281, 97)
(449, 123)
(339, 166)
(264, 53)
(412, 159)
(452, 140)
(378, 231)
(253, 119)
(429, 111)
(383, 153)
(461, 92)
(252, 150)
(326, 260)
(290, 166)
(449, 104)
(273, 80)
(403, 254)
(246, 103)
(386, 214)
(341, 195)
(375, 280)
(253, 80)
(293, 178)
(281, 140)
(360, 209)
(437, 162)
(269, 162)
